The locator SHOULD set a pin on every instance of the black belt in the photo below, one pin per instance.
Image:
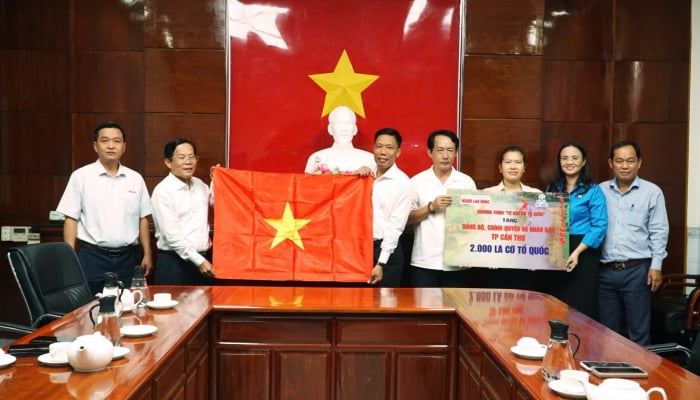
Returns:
(205, 253)
(110, 251)
(626, 264)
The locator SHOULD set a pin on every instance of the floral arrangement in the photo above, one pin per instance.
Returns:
(324, 169)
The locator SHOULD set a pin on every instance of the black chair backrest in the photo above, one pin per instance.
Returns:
(50, 278)
(694, 360)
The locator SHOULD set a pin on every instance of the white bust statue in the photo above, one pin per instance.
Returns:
(341, 157)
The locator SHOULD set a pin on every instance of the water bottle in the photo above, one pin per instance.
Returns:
(138, 283)
(558, 355)
(107, 321)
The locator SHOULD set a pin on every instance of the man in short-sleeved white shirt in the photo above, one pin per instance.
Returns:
(106, 206)
(341, 157)
(430, 200)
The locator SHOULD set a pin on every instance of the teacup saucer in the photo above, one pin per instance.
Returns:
(568, 388)
(138, 330)
(47, 360)
(6, 360)
(162, 305)
(120, 352)
(530, 353)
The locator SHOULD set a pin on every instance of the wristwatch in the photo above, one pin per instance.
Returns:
(381, 264)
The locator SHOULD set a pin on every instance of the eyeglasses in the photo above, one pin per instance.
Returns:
(182, 157)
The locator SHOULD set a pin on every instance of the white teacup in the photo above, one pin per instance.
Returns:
(59, 351)
(574, 375)
(162, 298)
(527, 342)
(129, 299)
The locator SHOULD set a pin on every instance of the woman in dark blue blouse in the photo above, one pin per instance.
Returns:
(588, 222)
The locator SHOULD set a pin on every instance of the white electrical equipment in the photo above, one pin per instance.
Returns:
(20, 233)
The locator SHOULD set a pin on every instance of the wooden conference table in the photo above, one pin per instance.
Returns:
(333, 343)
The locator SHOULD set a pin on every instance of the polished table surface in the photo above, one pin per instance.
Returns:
(497, 317)
(27, 379)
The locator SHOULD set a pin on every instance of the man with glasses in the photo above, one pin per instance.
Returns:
(430, 200)
(181, 214)
(106, 208)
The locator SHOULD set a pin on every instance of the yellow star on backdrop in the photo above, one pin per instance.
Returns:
(287, 228)
(343, 86)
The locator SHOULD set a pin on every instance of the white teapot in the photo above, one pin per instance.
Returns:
(90, 353)
(620, 389)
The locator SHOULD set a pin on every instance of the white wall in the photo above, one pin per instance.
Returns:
(693, 179)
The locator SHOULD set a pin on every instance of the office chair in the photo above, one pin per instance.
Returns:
(681, 355)
(50, 278)
(10, 331)
(675, 313)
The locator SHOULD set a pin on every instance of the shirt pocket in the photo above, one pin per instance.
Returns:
(635, 219)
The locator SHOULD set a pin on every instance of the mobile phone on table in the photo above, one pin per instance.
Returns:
(587, 365)
(51, 339)
(28, 349)
(619, 372)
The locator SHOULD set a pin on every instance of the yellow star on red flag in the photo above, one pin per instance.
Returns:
(287, 228)
(343, 86)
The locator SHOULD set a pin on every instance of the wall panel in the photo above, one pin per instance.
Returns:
(34, 80)
(186, 81)
(518, 30)
(34, 24)
(107, 24)
(35, 143)
(578, 30)
(107, 81)
(576, 91)
(186, 24)
(644, 91)
(502, 87)
(652, 30)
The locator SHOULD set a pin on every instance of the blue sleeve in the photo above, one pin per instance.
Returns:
(658, 229)
(598, 218)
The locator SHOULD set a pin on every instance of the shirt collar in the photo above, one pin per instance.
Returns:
(635, 184)
(390, 173)
(175, 182)
(101, 170)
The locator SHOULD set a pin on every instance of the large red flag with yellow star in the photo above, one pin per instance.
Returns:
(395, 63)
(292, 227)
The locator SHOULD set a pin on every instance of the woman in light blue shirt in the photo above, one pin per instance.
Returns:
(588, 223)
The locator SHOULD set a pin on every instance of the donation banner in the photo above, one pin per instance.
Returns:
(507, 230)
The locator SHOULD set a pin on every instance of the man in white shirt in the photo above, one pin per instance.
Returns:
(430, 200)
(181, 215)
(341, 157)
(106, 207)
(391, 203)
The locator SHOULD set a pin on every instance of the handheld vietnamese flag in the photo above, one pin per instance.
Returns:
(281, 226)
